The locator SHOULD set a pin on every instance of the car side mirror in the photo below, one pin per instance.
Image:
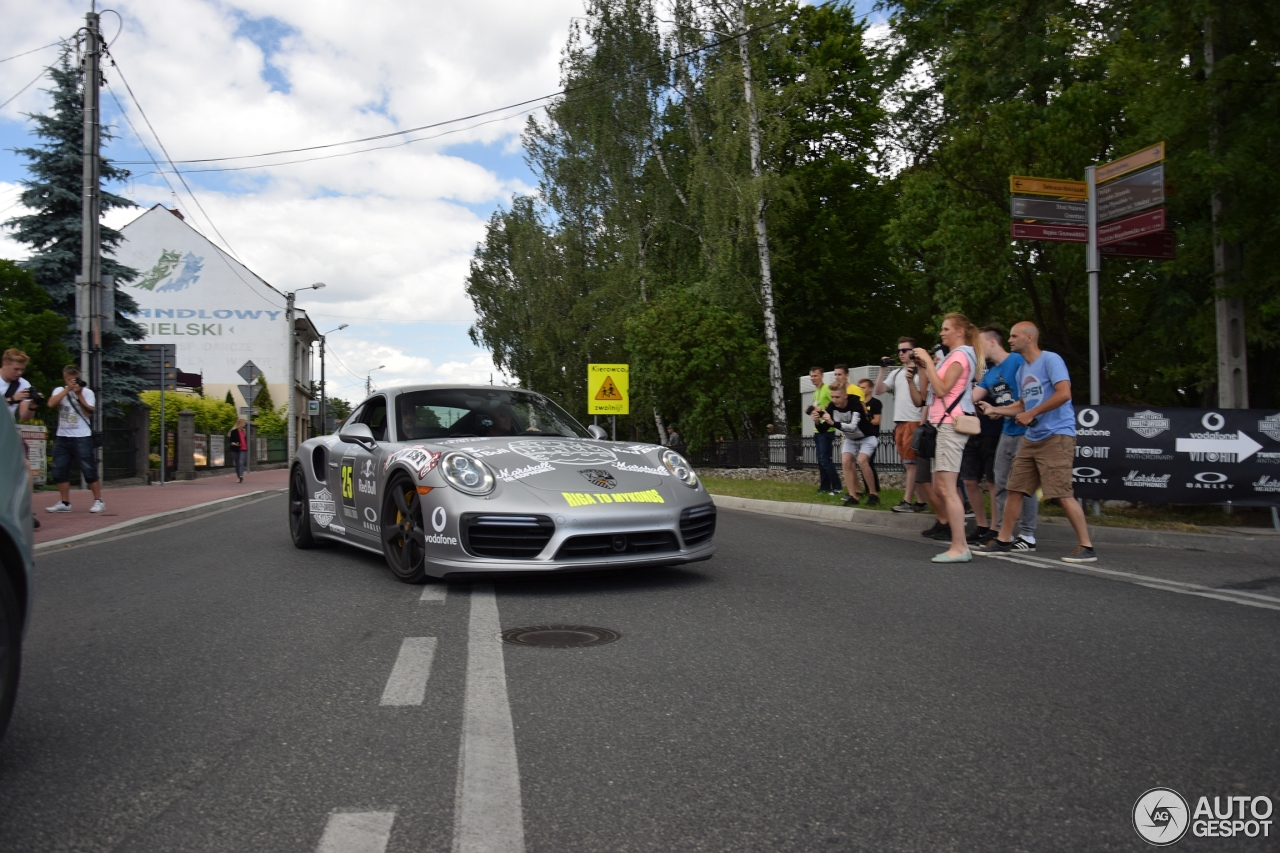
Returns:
(598, 433)
(358, 434)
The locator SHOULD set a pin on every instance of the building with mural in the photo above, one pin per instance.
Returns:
(217, 313)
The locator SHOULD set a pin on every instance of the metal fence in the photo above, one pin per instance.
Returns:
(794, 452)
(119, 449)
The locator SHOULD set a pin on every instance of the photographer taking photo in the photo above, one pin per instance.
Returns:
(74, 402)
(906, 416)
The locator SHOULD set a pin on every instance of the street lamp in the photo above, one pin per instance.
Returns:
(290, 338)
(368, 382)
(324, 411)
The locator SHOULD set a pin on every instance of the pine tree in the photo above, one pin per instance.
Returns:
(53, 231)
(230, 400)
(263, 401)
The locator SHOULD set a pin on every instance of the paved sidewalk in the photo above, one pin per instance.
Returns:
(136, 502)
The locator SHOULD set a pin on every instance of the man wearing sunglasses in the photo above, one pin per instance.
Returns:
(906, 416)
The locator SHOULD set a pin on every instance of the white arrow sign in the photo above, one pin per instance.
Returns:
(1242, 445)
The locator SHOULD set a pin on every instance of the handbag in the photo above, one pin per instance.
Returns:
(925, 440)
(967, 424)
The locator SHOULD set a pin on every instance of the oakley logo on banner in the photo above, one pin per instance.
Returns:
(1148, 424)
(1087, 475)
(1210, 480)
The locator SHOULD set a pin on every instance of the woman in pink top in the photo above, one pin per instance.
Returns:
(950, 382)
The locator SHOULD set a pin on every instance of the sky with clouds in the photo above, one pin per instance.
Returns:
(389, 231)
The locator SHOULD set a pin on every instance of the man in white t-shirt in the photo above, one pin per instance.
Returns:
(906, 417)
(74, 402)
(17, 391)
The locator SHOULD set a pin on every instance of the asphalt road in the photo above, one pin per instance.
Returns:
(206, 687)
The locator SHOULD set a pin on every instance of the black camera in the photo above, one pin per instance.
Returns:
(35, 396)
(81, 382)
(809, 411)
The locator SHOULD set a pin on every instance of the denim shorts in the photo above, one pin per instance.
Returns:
(65, 447)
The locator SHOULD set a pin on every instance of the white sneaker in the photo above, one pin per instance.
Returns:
(98, 506)
(60, 506)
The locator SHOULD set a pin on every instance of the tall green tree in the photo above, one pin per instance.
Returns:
(54, 191)
(28, 323)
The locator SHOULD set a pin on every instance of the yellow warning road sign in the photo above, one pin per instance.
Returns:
(607, 389)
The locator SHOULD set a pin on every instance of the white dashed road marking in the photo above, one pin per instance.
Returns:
(408, 682)
(433, 592)
(357, 832)
(488, 816)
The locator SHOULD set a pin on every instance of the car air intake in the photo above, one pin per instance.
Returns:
(506, 537)
(618, 544)
(698, 524)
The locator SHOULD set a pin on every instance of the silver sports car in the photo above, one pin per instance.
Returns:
(449, 481)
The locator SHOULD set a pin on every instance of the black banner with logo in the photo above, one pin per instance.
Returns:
(1181, 456)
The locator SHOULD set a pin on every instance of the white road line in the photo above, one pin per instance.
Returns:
(1235, 596)
(433, 592)
(488, 816)
(408, 682)
(357, 832)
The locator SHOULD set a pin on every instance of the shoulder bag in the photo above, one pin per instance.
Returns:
(95, 435)
(965, 423)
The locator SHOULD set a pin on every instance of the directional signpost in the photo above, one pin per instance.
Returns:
(1076, 190)
(1163, 245)
(1049, 210)
(1135, 191)
(1150, 222)
(1052, 233)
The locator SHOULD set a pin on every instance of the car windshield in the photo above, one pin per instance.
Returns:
(482, 412)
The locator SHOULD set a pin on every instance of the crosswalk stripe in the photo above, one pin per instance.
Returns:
(357, 832)
(407, 684)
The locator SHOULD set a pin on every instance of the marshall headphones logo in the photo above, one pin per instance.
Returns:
(1270, 427)
(1266, 484)
(1148, 424)
(596, 477)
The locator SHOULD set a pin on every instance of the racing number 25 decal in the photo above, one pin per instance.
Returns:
(348, 489)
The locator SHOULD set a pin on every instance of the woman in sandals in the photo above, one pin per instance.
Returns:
(950, 383)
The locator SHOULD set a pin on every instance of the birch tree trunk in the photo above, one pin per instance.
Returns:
(762, 230)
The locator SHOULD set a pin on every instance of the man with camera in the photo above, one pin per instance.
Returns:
(906, 416)
(824, 433)
(74, 401)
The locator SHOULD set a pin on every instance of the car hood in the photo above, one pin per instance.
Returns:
(568, 464)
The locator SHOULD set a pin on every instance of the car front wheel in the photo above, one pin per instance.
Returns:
(404, 540)
(299, 511)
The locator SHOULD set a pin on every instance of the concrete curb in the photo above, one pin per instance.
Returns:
(1049, 530)
(135, 525)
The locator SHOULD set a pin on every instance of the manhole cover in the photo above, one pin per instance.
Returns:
(559, 636)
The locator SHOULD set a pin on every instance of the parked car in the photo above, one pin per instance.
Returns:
(452, 481)
(15, 561)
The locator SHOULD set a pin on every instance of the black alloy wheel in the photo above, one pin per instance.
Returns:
(404, 540)
(10, 647)
(299, 511)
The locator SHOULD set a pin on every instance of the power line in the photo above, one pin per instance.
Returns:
(28, 86)
(33, 50)
(569, 90)
(165, 152)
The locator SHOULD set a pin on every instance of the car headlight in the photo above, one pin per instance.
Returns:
(680, 468)
(467, 474)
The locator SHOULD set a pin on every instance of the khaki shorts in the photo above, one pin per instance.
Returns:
(902, 440)
(1045, 465)
(950, 450)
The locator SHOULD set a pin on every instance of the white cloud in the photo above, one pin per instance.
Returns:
(390, 232)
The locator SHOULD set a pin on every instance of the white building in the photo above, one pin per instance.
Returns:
(216, 312)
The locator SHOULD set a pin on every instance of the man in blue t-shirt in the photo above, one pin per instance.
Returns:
(999, 388)
(1048, 448)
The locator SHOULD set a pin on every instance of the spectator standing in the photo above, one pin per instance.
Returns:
(675, 442)
(999, 388)
(18, 395)
(841, 380)
(239, 436)
(1047, 452)
(17, 390)
(873, 411)
(906, 417)
(949, 395)
(824, 433)
(978, 465)
(74, 401)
